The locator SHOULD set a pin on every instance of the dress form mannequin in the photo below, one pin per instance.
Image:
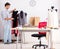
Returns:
(52, 18)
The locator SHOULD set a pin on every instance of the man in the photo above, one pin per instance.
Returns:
(6, 20)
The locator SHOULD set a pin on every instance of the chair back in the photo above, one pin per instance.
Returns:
(42, 25)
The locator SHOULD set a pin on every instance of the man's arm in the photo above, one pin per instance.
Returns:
(9, 18)
(4, 16)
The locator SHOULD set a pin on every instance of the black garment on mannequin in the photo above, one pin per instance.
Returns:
(14, 22)
(14, 15)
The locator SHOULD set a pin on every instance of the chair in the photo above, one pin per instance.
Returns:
(40, 35)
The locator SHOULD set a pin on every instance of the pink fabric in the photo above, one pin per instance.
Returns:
(14, 31)
(42, 25)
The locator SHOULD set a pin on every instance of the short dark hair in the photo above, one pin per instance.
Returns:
(7, 3)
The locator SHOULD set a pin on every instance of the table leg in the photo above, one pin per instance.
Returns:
(17, 41)
(50, 40)
(21, 40)
(24, 37)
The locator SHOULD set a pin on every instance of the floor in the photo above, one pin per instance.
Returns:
(13, 46)
(24, 46)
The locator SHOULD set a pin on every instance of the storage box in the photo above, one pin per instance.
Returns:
(34, 21)
(31, 21)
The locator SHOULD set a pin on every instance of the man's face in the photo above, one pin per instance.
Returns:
(7, 7)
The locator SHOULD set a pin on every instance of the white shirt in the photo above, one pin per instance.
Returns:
(5, 14)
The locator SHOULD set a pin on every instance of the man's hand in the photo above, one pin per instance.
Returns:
(12, 18)
(9, 18)
(14, 9)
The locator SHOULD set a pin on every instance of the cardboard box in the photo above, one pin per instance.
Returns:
(31, 21)
(37, 20)
(34, 21)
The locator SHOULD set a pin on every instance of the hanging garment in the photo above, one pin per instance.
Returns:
(14, 15)
(22, 18)
(14, 22)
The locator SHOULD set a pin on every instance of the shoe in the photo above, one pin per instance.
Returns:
(10, 42)
(6, 43)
